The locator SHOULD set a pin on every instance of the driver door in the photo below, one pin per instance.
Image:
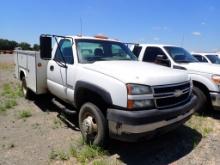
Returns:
(58, 68)
(151, 55)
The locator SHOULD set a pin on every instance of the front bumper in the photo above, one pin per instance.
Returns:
(215, 98)
(133, 125)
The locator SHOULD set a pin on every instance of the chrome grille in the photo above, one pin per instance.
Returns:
(168, 96)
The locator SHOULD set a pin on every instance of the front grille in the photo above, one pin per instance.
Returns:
(171, 88)
(169, 96)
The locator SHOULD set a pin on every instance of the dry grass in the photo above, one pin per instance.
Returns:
(204, 125)
(9, 95)
(6, 66)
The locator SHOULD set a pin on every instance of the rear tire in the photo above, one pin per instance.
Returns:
(28, 94)
(202, 103)
(93, 125)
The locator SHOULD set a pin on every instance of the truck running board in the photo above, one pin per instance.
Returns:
(63, 107)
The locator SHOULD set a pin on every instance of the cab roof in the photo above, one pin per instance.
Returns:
(158, 45)
(203, 54)
(97, 37)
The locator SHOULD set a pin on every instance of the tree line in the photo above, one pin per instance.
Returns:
(11, 45)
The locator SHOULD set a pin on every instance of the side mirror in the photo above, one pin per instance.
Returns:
(163, 60)
(45, 47)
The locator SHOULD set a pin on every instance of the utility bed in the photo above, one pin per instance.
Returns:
(34, 68)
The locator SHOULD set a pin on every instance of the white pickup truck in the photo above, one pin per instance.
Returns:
(205, 77)
(211, 58)
(113, 93)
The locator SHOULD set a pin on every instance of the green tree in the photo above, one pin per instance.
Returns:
(7, 45)
(36, 47)
(24, 46)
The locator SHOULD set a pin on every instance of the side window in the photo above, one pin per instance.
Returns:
(137, 50)
(66, 50)
(117, 50)
(200, 58)
(151, 53)
(204, 59)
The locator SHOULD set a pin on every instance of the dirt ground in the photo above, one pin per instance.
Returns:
(29, 139)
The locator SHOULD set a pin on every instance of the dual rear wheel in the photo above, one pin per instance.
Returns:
(25, 90)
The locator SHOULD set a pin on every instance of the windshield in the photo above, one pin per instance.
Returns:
(180, 55)
(90, 51)
(214, 59)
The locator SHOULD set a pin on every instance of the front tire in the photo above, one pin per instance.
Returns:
(202, 103)
(93, 124)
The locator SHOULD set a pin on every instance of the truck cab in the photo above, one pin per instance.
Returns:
(205, 77)
(109, 89)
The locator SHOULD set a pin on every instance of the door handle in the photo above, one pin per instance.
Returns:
(51, 68)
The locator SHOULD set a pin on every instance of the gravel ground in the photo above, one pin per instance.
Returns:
(30, 140)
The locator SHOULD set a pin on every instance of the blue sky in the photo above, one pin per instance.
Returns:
(194, 24)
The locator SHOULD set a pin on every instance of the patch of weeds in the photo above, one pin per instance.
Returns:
(204, 125)
(10, 103)
(7, 104)
(58, 155)
(73, 151)
(11, 91)
(24, 114)
(9, 97)
(80, 141)
(2, 108)
(86, 153)
(57, 123)
(101, 162)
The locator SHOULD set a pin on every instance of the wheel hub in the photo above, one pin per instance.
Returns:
(89, 126)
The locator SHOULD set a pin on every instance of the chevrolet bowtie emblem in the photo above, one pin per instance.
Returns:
(178, 93)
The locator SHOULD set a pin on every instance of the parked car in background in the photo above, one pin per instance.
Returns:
(205, 77)
(211, 58)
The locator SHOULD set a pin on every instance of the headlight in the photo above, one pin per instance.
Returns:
(216, 79)
(132, 104)
(139, 96)
(135, 89)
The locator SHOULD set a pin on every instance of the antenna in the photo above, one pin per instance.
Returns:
(80, 25)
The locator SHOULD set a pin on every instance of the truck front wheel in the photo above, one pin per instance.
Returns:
(93, 124)
(202, 104)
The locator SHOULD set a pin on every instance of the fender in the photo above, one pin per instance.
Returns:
(21, 69)
(204, 80)
(105, 95)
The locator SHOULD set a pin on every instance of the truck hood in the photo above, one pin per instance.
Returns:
(138, 72)
(202, 67)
